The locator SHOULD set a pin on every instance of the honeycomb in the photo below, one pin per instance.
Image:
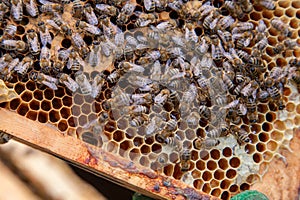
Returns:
(183, 130)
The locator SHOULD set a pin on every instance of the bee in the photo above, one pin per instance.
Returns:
(140, 99)
(144, 19)
(126, 12)
(31, 7)
(9, 31)
(106, 9)
(153, 88)
(44, 79)
(89, 14)
(114, 76)
(217, 52)
(204, 112)
(224, 128)
(162, 97)
(121, 98)
(210, 22)
(263, 95)
(75, 62)
(242, 109)
(193, 119)
(45, 59)
(34, 45)
(290, 44)
(83, 83)
(294, 62)
(274, 93)
(135, 110)
(95, 54)
(4, 137)
(79, 44)
(281, 26)
(6, 72)
(185, 158)
(67, 81)
(5, 60)
(149, 5)
(245, 26)
(241, 135)
(246, 6)
(60, 59)
(228, 82)
(262, 44)
(77, 9)
(261, 27)
(225, 22)
(214, 133)
(154, 126)
(97, 85)
(207, 143)
(151, 57)
(60, 25)
(139, 120)
(233, 116)
(23, 66)
(93, 30)
(52, 8)
(3, 9)
(130, 40)
(162, 136)
(269, 4)
(190, 33)
(12, 45)
(17, 10)
(278, 48)
(44, 33)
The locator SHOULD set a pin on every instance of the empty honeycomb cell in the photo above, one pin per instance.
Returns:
(31, 115)
(297, 120)
(20, 30)
(234, 188)
(255, 128)
(267, 155)
(173, 157)
(253, 138)
(290, 107)
(60, 92)
(144, 160)
(261, 118)
(42, 117)
(294, 23)
(279, 125)
(255, 16)
(244, 186)
(126, 145)
(267, 127)
(190, 134)
(298, 16)
(34, 105)
(96, 107)
(168, 170)
(13, 104)
(48, 93)
(118, 136)
(122, 124)
(272, 40)
(78, 99)
(198, 183)
(281, 62)
(263, 137)
(249, 148)
(182, 125)
(62, 125)
(235, 162)
(130, 133)
(230, 173)
(65, 112)
(206, 188)
(110, 126)
(26, 96)
(278, 12)
(296, 4)
(272, 145)
(66, 43)
(156, 148)
(72, 121)
(276, 135)
(54, 116)
(194, 155)
(257, 157)
(89, 137)
(204, 155)
(30, 85)
(207, 176)
(56, 103)
(270, 116)
(262, 108)
(219, 174)
(187, 144)
(214, 183)
(200, 165)
(225, 195)
(211, 165)
(225, 184)
(215, 154)
(290, 13)
(267, 14)
(46, 105)
(150, 140)
(92, 117)
(223, 163)
(216, 192)
(38, 95)
(22, 109)
(76, 110)
(284, 4)
(67, 101)
(261, 147)
(86, 108)
(227, 152)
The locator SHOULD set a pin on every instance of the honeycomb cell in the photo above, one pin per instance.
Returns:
(219, 174)
(206, 188)
(89, 137)
(201, 165)
(110, 126)
(227, 152)
(62, 125)
(255, 128)
(194, 155)
(198, 183)
(118, 136)
(56, 103)
(34, 105)
(112, 147)
(67, 101)
(144, 160)
(244, 186)
(48, 93)
(214, 183)
(272, 145)
(279, 125)
(60, 92)
(31, 115)
(23, 109)
(223, 163)
(255, 16)
(294, 23)
(46, 105)
(281, 62)
(257, 157)
(230, 173)
(168, 170)
(225, 195)
(225, 184)
(267, 155)
(216, 192)
(250, 149)
(86, 108)
(204, 155)
(235, 162)
(72, 121)
(207, 176)
(270, 116)
(54, 116)
(263, 137)
(130, 133)
(253, 138)
(267, 14)
(284, 4)
(190, 134)
(156, 148)
(20, 30)
(126, 145)
(234, 188)
(30, 85)
(278, 12)
(173, 157)
(13, 104)
(260, 147)
(42, 117)
(267, 127)
(296, 4)
(65, 112)
(26, 96)
(66, 43)
(38, 95)
(211, 165)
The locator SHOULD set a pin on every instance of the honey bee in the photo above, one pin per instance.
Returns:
(23, 66)
(114, 76)
(126, 12)
(190, 34)
(140, 99)
(121, 98)
(241, 135)
(97, 85)
(5, 60)
(207, 143)
(204, 112)
(12, 45)
(278, 48)
(145, 19)
(246, 6)
(77, 9)
(61, 58)
(90, 15)
(217, 52)
(185, 159)
(17, 10)
(44, 33)
(4, 137)
(233, 116)
(228, 82)
(31, 7)
(162, 97)
(210, 22)
(83, 83)
(66, 80)
(135, 110)
(242, 109)
(261, 27)
(174, 142)
(154, 126)
(193, 119)
(214, 133)
(262, 44)
(34, 45)
(151, 57)
(95, 54)
(6, 71)
(225, 22)
(253, 117)
(93, 30)
(281, 26)
(44, 79)
(52, 8)
(106, 9)
(3, 10)
(244, 26)
(290, 44)
(139, 120)
(9, 31)
(79, 44)
(263, 95)
(294, 62)
(75, 62)
(153, 88)
(149, 5)
(203, 46)
(45, 59)
(269, 4)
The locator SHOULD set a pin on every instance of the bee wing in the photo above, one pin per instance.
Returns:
(53, 24)
(145, 23)
(213, 23)
(70, 63)
(13, 64)
(148, 4)
(92, 29)
(45, 2)
(31, 8)
(91, 18)
(102, 7)
(50, 85)
(119, 37)
(137, 68)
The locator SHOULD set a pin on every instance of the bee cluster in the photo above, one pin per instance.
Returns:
(187, 88)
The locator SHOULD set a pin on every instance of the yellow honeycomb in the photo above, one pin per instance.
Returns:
(223, 170)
